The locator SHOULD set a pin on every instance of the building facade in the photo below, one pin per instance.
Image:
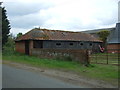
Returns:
(54, 43)
(113, 43)
(54, 39)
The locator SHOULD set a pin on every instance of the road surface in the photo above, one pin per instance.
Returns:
(19, 78)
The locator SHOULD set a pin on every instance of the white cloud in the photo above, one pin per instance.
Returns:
(15, 31)
(82, 14)
(74, 15)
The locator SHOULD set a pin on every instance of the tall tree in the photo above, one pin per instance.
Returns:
(5, 27)
(103, 36)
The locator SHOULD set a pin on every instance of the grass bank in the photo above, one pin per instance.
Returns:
(98, 71)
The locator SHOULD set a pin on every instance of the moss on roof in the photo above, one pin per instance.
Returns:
(45, 34)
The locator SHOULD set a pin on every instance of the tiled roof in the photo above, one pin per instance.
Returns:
(44, 34)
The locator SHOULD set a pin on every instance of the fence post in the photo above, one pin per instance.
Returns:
(96, 58)
(88, 55)
(86, 62)
(107, 57)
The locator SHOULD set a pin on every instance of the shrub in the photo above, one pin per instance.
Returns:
(9, 47)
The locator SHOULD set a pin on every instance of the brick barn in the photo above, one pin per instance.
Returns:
(51, 43)
(114, 40)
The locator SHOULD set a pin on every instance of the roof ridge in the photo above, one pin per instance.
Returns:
(47, 34)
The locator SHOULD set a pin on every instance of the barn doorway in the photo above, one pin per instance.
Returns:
(27, 47)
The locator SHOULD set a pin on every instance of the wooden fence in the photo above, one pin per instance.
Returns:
(105, 58)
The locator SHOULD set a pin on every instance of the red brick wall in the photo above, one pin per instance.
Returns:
(20, 46)
(77, 55)
(30, 47)
(113, 48)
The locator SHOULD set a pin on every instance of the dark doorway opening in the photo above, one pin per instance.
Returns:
(38, 44)
(27, 47)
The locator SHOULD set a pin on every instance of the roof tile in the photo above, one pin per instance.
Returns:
(44, 34)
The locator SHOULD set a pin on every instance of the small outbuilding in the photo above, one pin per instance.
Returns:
(55, 39)
(57, 44)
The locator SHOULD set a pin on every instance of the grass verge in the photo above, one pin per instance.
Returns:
(107, 73)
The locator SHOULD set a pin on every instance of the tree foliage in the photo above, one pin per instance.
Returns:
(9, 46)
(5, 27)
(103, 35)
(19, 34)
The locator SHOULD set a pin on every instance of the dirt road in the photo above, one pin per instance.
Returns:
(14, 73)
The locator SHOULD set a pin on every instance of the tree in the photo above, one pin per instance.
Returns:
(103, 36)
(5, 27)
(9, 46)
(19, 34)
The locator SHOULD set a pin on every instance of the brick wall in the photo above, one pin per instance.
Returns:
(113, 48)
(20, 46)
(77, 55)
(30, 47)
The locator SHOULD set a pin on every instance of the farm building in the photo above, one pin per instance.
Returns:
(55, 39)
(95, 31)
(49, 43)
(114, 40)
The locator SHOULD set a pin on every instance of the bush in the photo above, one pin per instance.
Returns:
(8, 50)
(9, 47)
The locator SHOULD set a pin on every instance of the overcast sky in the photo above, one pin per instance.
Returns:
(69, 15)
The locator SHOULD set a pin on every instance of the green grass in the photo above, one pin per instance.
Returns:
(51, 63)
(98, 71)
